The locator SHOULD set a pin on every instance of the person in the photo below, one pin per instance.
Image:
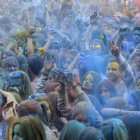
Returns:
(114, 129)
(132, 124)
(35, 63)
(20, 80)
(27, 128)
(90, 133)
(89, 80)
(71, 130)
(116, 68)
(105, 90)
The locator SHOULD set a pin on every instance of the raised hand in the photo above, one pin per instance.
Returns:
(114, 49)
(123, 30)
(65, 43)
(93, 18)
(32, 31)
(79, 24)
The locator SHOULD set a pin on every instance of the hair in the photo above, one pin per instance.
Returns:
(41, 20)
(50, 106)
(9, 53)
(96, 79)
(71, 130)
(31, 107)
(4, 20)
(137, 28)
(111, 87)
(23, 34)
(90, 133)
(115, 102)
(31, 128)
(86, 109)
(35, 63)
(132, 123)
(50, 87)
(136, 95)
(95, 103)
(114, 129)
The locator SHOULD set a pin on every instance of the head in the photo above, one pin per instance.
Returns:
(104, 25)
(137, 60)
(40, 22)
(51, 87)
(97, 47)
(105, 90)
(113, 71)
(6, 54)
(115, 102)
(21, 38)
(114, 129)
(20, 80)
(71, 130)
(10, 64)
(133, 101)
(83, 113)
(132, 123)
(35, 63)
(137, 86)
(90, 79)
(90, 133)
(33, 108)
(6, 23)
(27, 128)
(22, 60)
(136, 35)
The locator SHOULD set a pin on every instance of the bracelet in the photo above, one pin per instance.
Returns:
(75, 86)
(29, 36)
(120, 112)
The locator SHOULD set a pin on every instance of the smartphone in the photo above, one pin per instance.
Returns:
(2, 99)
(2, 44)
(68, 77)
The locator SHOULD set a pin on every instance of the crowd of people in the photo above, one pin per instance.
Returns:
(69, 70)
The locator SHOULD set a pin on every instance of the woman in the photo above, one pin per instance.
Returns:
(39, 110)
(28, 128)
(132, 123)
(21, 81)
(90, 133)
(71, 130)
(91, 79)
(114, 129)
(105, 89)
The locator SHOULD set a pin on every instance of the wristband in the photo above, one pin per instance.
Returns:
(75, 86)
(29, 36)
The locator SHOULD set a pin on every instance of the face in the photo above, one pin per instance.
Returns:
(24, 66)
(104, 26)
(70, 91)
(96, 48)
(17, 133)
(138, 84)
(136, 36)
(104, 94)
(12, 66)
(48, 109)
(131, 103)
(82, 119)
(137, 60)
(88, 82)
(4, 56)
(8, 26)
(113, 72)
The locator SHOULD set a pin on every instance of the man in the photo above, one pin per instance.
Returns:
(116, 69)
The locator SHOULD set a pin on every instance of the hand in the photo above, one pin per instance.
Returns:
(79, 24)
(65, 43)
(114, 49)
(11, 44)
(80, 56)
(9, 97)
(32, 31)
(123, 30)
(50, 36)
(93, 18)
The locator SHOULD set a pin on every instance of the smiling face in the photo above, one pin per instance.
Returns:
(17, 133)
(131, 104)
(104, 26)
(96, 48)
(88, 82)
(113, 72)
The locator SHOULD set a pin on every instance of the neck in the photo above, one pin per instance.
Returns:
(117, 81)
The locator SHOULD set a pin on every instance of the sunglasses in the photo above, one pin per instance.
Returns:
(137, 35)
(35, 96)
(15, 74)
(97, 46)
